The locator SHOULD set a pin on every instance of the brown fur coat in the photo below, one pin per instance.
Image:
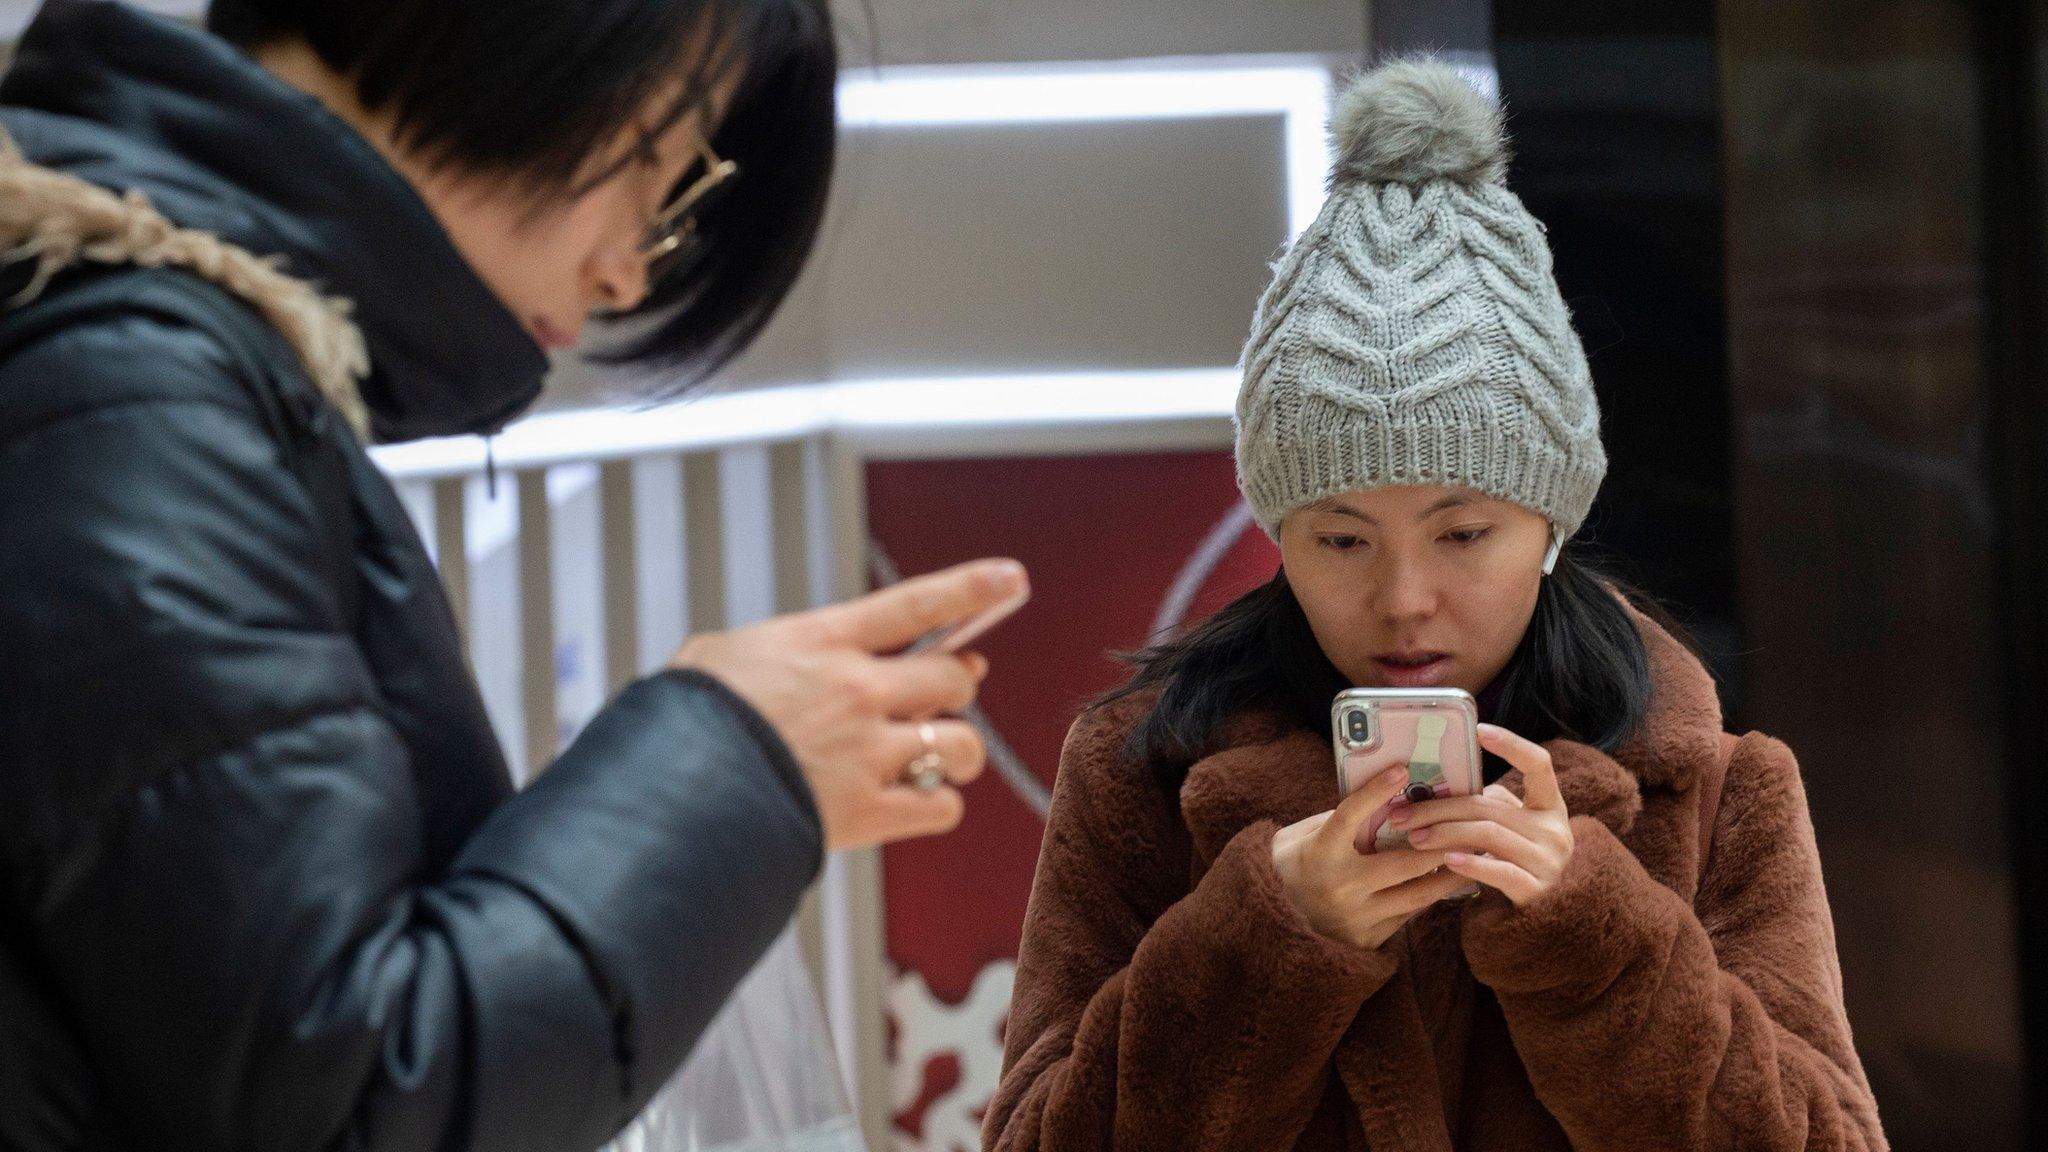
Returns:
(1170, 997)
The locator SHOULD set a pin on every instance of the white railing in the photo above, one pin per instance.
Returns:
(615, 534)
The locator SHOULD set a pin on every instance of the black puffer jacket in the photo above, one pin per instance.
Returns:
(264, 882)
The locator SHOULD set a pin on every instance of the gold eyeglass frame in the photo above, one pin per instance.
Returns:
(664, 235)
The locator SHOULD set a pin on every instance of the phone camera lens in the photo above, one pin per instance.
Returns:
(1355, 727)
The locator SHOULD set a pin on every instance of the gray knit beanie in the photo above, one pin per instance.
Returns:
(1414, 334)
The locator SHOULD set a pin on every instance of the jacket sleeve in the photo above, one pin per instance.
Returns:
(1643, 1024)
(213, 836)
(1148, 1016)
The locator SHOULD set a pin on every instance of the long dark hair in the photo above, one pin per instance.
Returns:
(1581, 671)
(533, 91)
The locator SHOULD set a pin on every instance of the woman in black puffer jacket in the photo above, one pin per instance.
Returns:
(264, 881)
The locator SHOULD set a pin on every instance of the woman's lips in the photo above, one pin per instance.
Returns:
(551, 337)
(1416, 670)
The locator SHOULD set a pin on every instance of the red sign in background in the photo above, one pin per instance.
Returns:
(1109, 541)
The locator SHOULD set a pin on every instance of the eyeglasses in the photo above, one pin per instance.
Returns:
(672, 236)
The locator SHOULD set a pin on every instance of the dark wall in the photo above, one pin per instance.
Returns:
(1614, 114)
(1868, 529)
(2012, 46)
(1770, 220)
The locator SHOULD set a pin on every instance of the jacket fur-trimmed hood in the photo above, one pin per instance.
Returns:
(59, 221)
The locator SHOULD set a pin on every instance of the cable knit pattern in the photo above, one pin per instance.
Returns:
(1415, 334)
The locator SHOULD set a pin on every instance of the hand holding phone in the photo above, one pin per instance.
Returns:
(949, 640)
(885, 713)
(1348, 896)
(1433, 731)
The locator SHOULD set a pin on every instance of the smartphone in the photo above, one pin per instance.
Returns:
(953, 637)
(1434, 731)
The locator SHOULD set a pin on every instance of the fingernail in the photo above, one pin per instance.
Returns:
(1400, 819)
(1002, 575)
(1418, 837)
(1393, 774)
(1456, 858)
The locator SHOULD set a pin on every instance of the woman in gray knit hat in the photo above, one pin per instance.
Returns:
(1219, 955)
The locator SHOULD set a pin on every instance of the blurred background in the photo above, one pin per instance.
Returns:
(1802, 241)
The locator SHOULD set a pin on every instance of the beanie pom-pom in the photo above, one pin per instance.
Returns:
(1412, 121)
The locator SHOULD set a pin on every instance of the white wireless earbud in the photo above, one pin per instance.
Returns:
(1556, 546)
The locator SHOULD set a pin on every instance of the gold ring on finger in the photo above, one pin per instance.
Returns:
(926, 773)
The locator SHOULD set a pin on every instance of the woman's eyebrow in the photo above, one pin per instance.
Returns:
(1343, 510)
